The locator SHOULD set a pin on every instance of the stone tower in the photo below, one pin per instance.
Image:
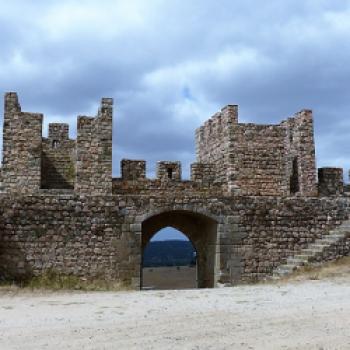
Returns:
(32, 163)
(251, 159)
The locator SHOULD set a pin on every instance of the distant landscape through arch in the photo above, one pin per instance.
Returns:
(169, 261)
(201, 231)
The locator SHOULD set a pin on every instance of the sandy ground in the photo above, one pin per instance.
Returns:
(169, 277)
(294, 315)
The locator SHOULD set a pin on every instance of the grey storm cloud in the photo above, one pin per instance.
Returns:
(170, 65)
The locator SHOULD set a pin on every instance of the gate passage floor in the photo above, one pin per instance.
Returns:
(295, 315)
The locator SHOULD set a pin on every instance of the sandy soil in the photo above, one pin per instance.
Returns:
(172, 277)
(294, 315)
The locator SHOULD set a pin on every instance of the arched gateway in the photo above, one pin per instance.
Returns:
(202, 231)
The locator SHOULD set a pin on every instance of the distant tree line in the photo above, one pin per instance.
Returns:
(169, 253)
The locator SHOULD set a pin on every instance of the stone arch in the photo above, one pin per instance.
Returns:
(202, 231)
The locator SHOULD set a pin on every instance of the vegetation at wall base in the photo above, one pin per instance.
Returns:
(54, 281)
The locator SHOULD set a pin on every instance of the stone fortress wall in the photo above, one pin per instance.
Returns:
(251, 204)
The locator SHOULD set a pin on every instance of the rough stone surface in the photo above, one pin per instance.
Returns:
(251, 203)
(268, 160)
(58, 158)
(330, 181)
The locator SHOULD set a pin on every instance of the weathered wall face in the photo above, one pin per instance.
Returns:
(58, 159)
(65, 233)
(300, 153)
(94, 152)
(204, 174)
(268, 160)
(213, 144)
(103, 236)
(21, 147)
(276, 229)
(258, 160)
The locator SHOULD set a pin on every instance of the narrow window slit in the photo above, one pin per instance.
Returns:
(294, 177)
(55, 143)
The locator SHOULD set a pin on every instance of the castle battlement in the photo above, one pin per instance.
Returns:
(32, 162)
(237, 158)
(251, 207)
(133, 179)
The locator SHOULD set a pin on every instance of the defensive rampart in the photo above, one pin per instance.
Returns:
(252, 201)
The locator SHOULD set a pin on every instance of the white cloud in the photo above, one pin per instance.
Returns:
(171, 65)
(104, 20)
(339, 21)
(221, 66)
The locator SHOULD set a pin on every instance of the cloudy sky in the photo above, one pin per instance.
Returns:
(171, 64)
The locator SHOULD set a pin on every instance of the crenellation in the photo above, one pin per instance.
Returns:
(11, 104)
(229, 114)
(169, 171)
(330, 182)
(134, 180)
(133, 170)
(58, 131)
(249, 159)
(84, 121)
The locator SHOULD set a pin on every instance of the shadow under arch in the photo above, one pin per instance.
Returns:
(200, 229)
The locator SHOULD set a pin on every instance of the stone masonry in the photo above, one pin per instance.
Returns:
(252, 202)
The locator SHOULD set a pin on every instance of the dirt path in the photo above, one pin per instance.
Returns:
(298, 315)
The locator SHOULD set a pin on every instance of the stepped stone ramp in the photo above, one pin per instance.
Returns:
(314, 251)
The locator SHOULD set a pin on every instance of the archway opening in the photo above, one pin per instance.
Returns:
(201, 231)
(169, 261)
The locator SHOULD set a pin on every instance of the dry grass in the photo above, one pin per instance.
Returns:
(335, 269)
(163, 278)
(53, 281)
